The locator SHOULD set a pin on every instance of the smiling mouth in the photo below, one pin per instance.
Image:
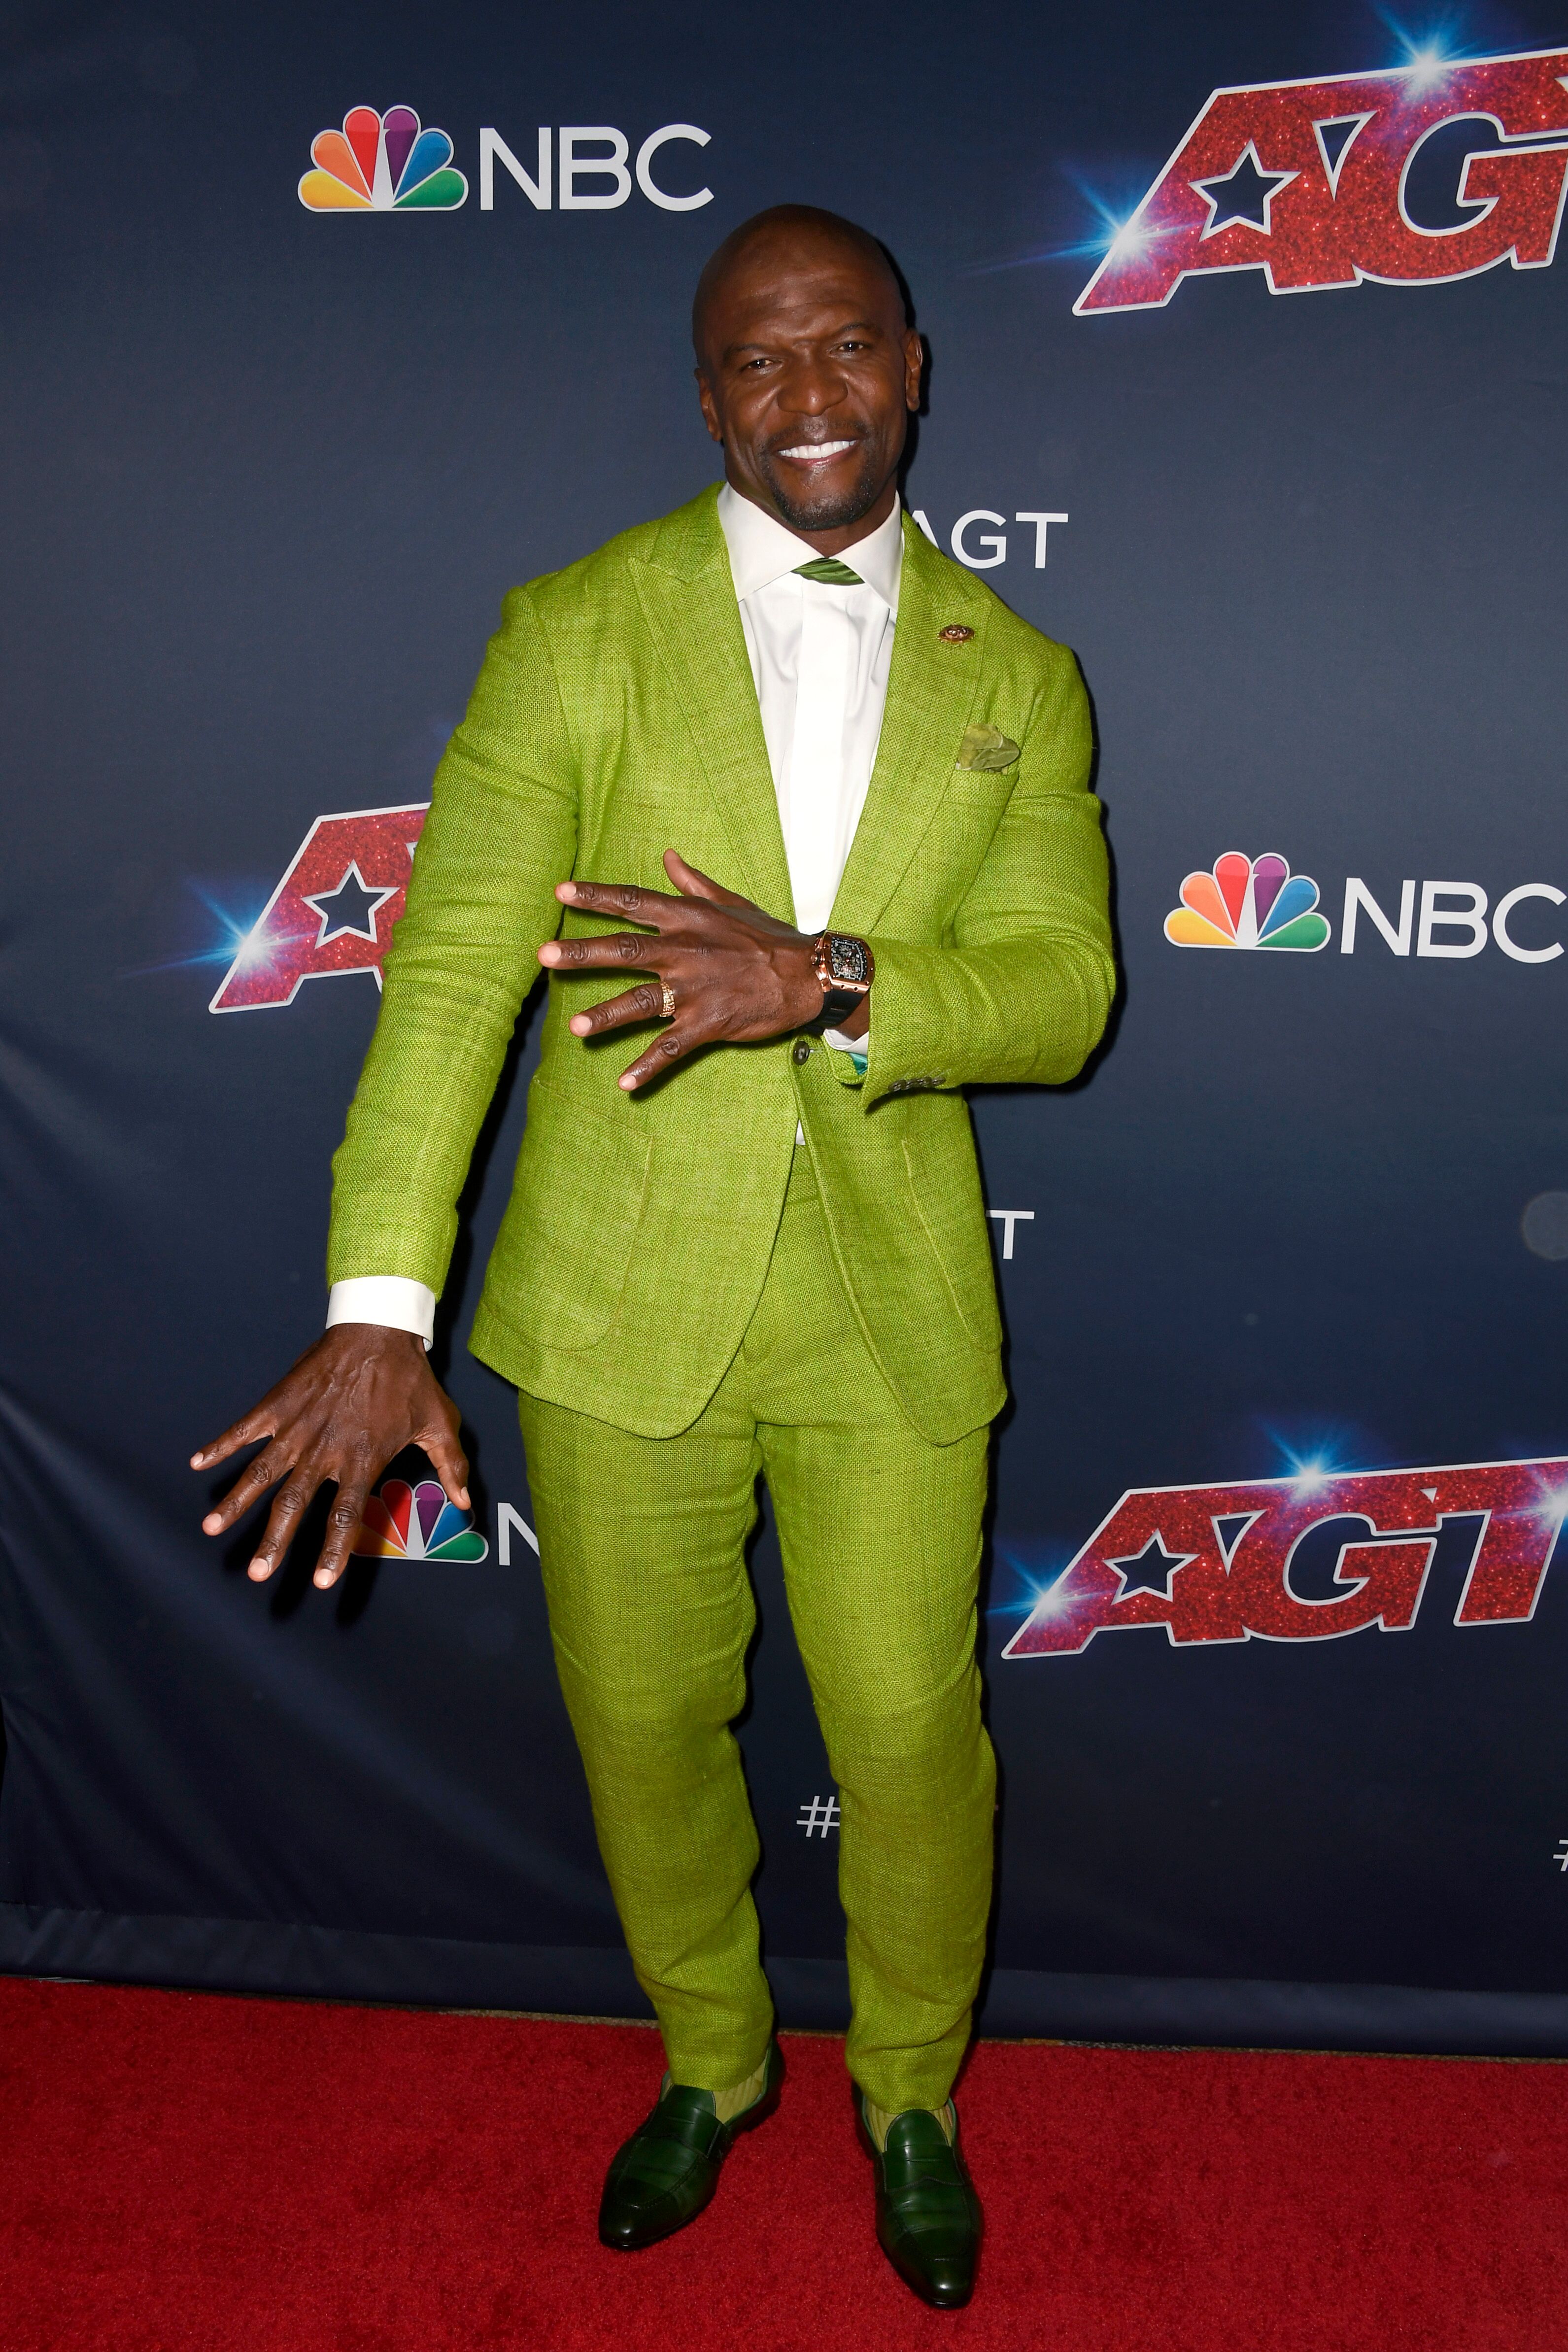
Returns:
(815, 453)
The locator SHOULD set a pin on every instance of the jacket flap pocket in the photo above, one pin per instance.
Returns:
(576, 1204)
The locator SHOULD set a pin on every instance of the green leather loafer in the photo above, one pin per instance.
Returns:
(665, 2174)
(928, 2215)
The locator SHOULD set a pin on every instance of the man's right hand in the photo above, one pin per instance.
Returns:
(350, 1403)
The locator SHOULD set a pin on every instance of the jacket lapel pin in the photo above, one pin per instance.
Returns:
(985, 749)
(955, 633)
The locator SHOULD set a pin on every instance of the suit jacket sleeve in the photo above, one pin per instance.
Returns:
(501, 832)
(1020, 991)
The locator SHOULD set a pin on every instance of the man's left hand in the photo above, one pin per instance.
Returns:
(735, 973)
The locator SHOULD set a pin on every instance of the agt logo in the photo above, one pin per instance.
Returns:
(1309, 1558)
(983, 551)
(1258, 902)
(332, 912)
(387, 162)
(1322, 183)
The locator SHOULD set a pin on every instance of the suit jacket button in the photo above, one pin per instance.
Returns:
(801, 1050)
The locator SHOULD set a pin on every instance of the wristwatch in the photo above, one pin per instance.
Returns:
(845, 969)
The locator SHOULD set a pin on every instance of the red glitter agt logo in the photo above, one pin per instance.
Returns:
(1309, 182)
(1305, 1558)
(332, 912)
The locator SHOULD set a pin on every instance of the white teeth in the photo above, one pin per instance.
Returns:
(817, 449)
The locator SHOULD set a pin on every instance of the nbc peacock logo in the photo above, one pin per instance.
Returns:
(403, 1522)
(382, 163)
(1249, 902)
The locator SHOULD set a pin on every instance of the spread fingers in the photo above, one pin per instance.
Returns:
(248, 1489)
(615, 899)
(599, 955)
(644, 1003)
(667, 1047)
(282, 1524)
(342, 1526)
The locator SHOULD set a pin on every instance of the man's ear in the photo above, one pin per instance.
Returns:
(706, 402)
(915, 368)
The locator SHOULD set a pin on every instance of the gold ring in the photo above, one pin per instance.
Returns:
(667, 1008)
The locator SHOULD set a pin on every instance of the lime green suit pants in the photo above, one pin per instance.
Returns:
(642, 1544)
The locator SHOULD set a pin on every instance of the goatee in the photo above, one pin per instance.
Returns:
(833, 510)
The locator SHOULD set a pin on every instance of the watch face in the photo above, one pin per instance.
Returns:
(845, 958)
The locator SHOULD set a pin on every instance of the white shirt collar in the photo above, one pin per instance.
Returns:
(761, 551)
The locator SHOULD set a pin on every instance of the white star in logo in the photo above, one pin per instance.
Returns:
(1150, 1570)
(1241, 197)
(350, 911)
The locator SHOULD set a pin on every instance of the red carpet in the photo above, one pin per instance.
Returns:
(189, 2173)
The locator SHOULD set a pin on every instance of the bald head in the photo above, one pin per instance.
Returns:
(796, 237)
(807, 368)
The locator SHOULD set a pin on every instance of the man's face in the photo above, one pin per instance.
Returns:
(808, 373)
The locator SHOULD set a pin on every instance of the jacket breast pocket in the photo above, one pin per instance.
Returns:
(978, 797)
(567, 1241)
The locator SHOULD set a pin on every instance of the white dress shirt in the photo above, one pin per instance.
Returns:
(820, 657)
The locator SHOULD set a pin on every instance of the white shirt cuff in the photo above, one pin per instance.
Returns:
(389, 1299)
(859, 1047)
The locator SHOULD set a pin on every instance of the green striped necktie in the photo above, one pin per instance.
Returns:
(830, 571)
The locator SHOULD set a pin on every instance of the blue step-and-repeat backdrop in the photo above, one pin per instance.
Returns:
(1249, 380)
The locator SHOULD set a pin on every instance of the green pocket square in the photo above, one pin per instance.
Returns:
(987, 749)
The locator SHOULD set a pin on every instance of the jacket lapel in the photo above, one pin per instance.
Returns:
(689, 601)
(931, 689)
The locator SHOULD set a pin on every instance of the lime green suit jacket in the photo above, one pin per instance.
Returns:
(615, 718)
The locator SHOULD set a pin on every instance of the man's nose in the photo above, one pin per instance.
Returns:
(810, 386)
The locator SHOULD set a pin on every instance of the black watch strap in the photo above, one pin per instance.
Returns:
(836, 1007)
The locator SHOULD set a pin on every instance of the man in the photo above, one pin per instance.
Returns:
(759, 1246)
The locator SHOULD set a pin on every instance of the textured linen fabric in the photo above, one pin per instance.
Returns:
(642, 1546)
(819, 665)
(615, 717)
